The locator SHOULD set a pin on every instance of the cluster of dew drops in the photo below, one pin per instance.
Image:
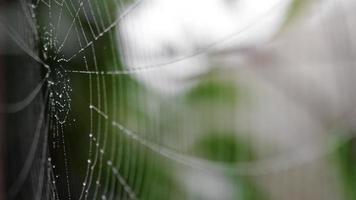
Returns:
(58, 80)
(58, 84)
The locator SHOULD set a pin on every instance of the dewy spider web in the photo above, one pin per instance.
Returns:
(92, 102)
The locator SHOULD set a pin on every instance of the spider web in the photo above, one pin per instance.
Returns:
(105, 130)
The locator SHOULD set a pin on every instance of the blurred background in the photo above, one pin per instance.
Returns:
(178, 99)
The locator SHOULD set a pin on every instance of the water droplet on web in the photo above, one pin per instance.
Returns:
(60, 89)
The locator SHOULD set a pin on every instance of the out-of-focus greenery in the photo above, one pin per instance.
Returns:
(223, 147)
(346, 159)
(295, 10)
(211, 91)
(229, 149)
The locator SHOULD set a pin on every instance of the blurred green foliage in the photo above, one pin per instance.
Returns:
(230, 149)
(223, 147)
(346, 157)
(214, 91)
